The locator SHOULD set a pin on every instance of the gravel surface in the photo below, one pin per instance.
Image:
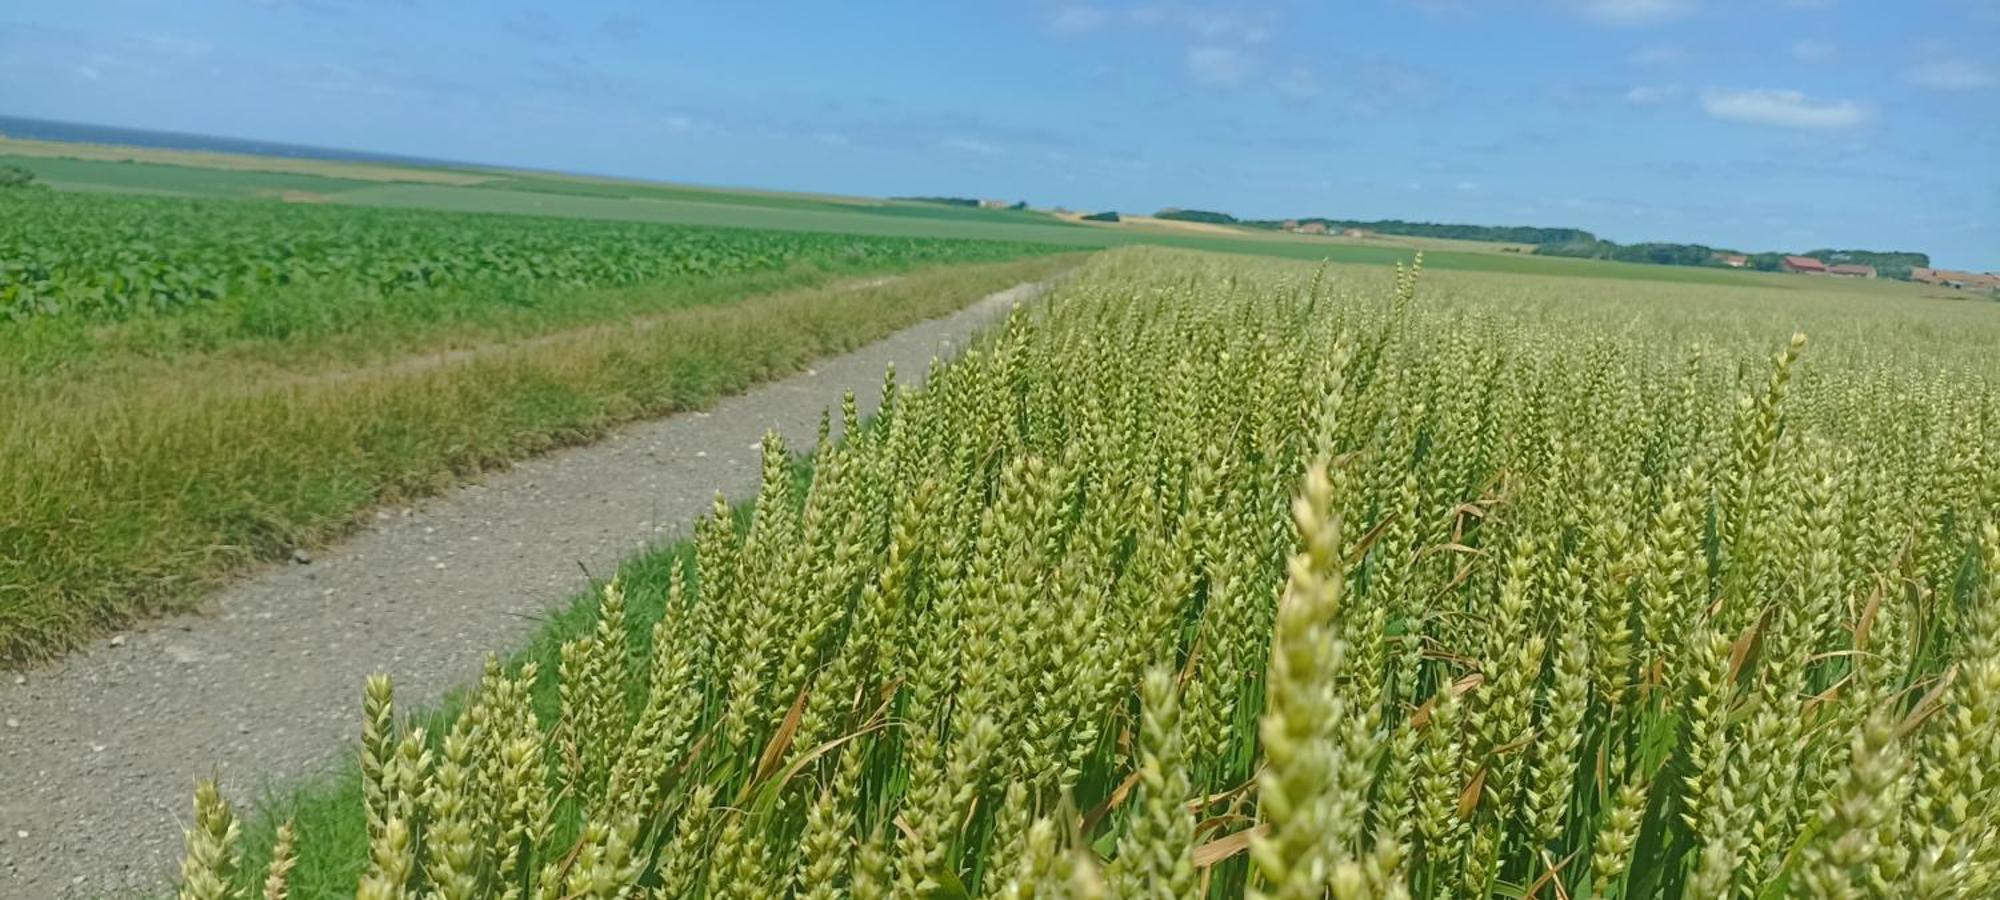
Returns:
(99, 752)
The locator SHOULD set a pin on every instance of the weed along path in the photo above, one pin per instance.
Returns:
(98, 754)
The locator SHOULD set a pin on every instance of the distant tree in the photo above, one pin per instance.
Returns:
(1196, 215)
(1888, 264)
(944, 201)
(1506, 234)
(16, 177)
(1106, 216)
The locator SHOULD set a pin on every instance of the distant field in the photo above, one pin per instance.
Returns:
(573, 196)
(98, 176)
(360, 171)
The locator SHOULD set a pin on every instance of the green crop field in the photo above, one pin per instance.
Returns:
(1218, 577)
(109, 257)
(153, 178)
(494, 191)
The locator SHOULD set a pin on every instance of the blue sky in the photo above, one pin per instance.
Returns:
(1759, 124)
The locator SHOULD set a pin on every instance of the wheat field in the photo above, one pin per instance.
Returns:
(1221, 578)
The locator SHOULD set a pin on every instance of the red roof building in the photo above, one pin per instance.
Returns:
(1804, 264)
(1852, 270)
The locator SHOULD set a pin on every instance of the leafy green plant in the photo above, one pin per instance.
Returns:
(15, 177)
(114, 257)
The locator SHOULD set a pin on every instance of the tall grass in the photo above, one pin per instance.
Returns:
(1213, 580)
(130, 488)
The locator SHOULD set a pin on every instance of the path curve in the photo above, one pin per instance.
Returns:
(98, 753)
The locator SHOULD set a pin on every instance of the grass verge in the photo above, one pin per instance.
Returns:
(130, 493)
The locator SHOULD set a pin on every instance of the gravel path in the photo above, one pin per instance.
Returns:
(98, 754)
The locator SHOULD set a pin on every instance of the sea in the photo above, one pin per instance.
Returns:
(77, 132)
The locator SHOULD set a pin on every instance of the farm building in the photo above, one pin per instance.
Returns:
(1312, 228)
(1804, 265)
(1851, 270)
(1354, 232)
(1971, 281)
(1733, 260)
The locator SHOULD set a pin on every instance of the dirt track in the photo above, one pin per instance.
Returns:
(98, 754)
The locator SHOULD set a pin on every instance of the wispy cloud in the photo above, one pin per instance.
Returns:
(1952, 75)
(1375, 85)
(1812, 51)
(624, 27)
(1219, 45)
(1784, 109)
(1442, 8)
(535, 27)
(968, 145)
(1076, 19)
(1633, 12)
(1218, 25)
(1659, 56)
(1653, 94)
(1215, 65)
(1299, 83)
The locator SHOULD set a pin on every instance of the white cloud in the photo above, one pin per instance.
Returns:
(1784, 109)
(1077, 19)
(1205, 25)
(1216, 65)
(1952, 75)
(1220, 44)
(1633, 12)
(1653, 94)
(1659, 56)
(1812, 51)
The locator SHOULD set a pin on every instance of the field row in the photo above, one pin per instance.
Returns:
(1215, 580)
